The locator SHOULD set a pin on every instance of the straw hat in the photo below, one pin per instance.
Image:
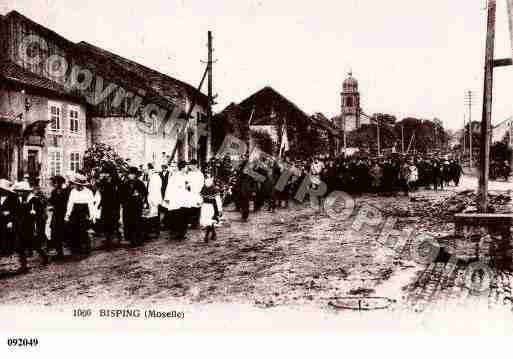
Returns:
(80, 180)
(5, 185)
(22, 186)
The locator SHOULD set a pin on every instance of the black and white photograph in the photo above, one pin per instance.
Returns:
(187, 166)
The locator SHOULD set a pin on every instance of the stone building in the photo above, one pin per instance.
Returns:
(267, 111)
(57, 98)
(43, 129)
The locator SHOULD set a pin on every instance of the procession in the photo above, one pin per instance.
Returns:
(136, 205)
(149, 176)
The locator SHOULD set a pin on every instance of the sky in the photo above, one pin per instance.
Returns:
(411, 57)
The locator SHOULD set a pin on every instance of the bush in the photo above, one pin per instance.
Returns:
(101, 156)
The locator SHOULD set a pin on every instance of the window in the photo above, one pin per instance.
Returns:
(74, 161)
(55, 161)
(55, 116)
(73, 121)
(349, 102)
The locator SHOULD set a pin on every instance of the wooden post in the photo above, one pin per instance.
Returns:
(487, 109)
(210, 98)
(402, 138)
(377, 124)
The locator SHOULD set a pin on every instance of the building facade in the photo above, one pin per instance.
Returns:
(57, 98)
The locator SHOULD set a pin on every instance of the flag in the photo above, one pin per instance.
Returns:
(284, 146)
(251, 116)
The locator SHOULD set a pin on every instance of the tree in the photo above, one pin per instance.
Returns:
(101, 156)
(476, 136)
(424, 135)
(366, 137)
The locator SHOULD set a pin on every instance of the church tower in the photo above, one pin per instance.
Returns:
(350, 96)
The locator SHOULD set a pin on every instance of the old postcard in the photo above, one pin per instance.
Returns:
(274, 166)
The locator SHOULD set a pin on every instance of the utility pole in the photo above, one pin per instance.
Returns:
(468, 96)
(210, 98)
(464, 126)
(345, 135)
(377, 125)
(402, 138)
(487, 108)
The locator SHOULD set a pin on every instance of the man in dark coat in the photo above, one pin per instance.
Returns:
(8, 207)
(133, 195)
(109, 206)
(58, 202)
(437, 175)
(28, 231)
(163, 212)
(245, 190)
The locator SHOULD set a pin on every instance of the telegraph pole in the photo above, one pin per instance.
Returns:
(377, 124)
(402, 138)
(487, 108)
(210, 98)
(464, 126)
(468, 96)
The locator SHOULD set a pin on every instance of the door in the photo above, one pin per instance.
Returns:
(6, 156)
(33, 166)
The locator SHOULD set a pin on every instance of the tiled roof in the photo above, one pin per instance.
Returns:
(15, 73)
(163, 84)
(271, 107)
(159, 88)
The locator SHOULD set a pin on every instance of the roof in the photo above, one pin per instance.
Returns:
(162, 84)
(60, 40)
(270, 107)
(158, 88)
(503, 122)
(350, 81)
(15, 73)
(322, 121)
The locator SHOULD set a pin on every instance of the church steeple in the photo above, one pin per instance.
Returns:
(350, 103)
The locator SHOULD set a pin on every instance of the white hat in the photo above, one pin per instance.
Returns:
(22, 186)
(79, 179)
(6, 185)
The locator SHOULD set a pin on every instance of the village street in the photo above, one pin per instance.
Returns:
(292, 258)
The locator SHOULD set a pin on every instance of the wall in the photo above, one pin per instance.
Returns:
(12, 102)
(131, 140)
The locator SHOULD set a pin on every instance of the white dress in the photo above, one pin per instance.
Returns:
(207, 214)
(154, 194)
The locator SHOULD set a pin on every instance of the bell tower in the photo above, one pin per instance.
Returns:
(350, 104)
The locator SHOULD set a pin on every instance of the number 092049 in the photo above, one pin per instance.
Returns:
(22, 342)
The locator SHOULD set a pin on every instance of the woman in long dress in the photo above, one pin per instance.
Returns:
(79, 214)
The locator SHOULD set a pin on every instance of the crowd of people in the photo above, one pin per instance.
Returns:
(385, 175)
(141, 203)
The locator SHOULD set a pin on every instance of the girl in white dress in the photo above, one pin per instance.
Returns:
(209, 209)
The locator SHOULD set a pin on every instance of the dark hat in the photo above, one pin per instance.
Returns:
(181, 164)
(134, 170)
(58, 179)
